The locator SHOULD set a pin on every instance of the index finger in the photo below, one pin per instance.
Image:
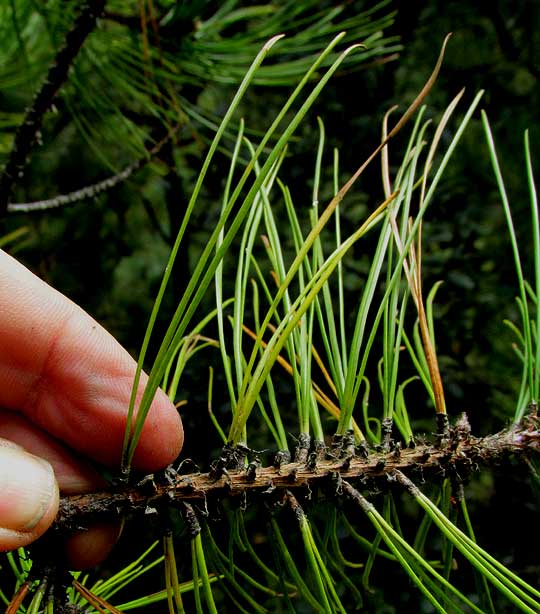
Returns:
(68, 375)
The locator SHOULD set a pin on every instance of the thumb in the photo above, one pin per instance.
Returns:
(28, 496)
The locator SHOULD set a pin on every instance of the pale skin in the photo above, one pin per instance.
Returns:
(65, 384)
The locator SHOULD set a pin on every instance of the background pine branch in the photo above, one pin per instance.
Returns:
(56, 76)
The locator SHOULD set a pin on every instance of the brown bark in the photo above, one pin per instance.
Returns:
(458, 457)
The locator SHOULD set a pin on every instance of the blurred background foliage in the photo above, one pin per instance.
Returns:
(168, 69)
(107, 253)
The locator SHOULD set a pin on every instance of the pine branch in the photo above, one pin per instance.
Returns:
(27, 132)
(89, 191)
(458, 456)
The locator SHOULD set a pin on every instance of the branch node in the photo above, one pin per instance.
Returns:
(362, 449)
(320, 449)
(251, 470)
(386, 434)
(311, 463)
(443, 429)
(192, 521)
(346, 464)
(282, 457)
(302, 449)
(348, 444)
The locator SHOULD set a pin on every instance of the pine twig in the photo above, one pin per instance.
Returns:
(27, 132)
(89, 191)
(461, 455)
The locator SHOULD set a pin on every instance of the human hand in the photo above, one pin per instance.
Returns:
(65, 385)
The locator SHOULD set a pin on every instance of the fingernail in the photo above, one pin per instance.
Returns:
(6, 443)
(27, 489)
